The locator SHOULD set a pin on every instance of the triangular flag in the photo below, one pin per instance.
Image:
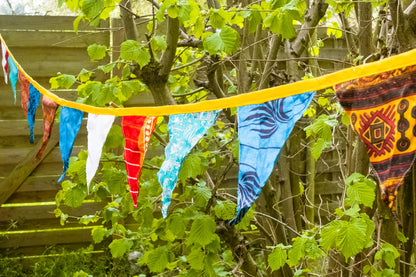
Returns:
(382, 109)
(98, 127)
(24, 87)
(34, 97)
(70, 122)
(185, 130)
(49, 108)
(5, 60)
(262, 131)
(137, 131)
(14, 72)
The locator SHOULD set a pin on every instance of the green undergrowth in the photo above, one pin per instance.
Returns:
(63, 263)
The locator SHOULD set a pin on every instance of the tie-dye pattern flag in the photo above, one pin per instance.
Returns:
(98, 127)
(382, 109)
(185, 130)
(34, 97)
(137, 131)
(262, 131)
(49, 109)
(70, 122)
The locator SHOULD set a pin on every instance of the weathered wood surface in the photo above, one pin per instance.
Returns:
(27, 220)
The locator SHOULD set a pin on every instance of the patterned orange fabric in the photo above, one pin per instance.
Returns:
(49, 108)
(137, 131)
(24, 87)
(382, 109)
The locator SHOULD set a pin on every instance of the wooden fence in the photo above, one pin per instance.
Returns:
(45, 46)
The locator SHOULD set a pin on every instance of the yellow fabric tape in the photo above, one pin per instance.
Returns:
(256, 97)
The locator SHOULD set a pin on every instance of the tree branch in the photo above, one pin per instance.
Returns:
(172, 41)
(128, 20)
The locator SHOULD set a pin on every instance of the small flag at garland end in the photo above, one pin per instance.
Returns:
(14, 72)
(5, 60)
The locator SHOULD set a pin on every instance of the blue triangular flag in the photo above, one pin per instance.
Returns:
(13, 75)
(34, 97)
(70, 122)
(262, 131)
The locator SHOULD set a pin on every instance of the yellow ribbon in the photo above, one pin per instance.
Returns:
(256, 97)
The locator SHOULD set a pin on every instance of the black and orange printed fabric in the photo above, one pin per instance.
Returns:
(382, 109)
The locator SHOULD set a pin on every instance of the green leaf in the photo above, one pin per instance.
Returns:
(281, 22)
(158, 259)
(351, 239)
(225, 210)
(196, 258)
(318, 147)
(62, 81)
(98, 234)
(345, 119)
(76, 23)
(84, 75)
(202, 231)
(191, 167)
(388, 253)
(330, 232)
(226, 40)
(277, 258)
(92, 10)
(114, 138)
(217, 19)
(401, 237)
(132, 50)
(360, 190)
(201, 196)
(107, 68)
(119, 247)
(96, 52)
(176, 224)
(75, 196)
(158, 43)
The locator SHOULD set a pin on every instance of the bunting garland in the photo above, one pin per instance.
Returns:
(98, 127)
(382, 109)
(380, 103)
(185, 130)
(137, 131)
(70, 122)
(262, 132)
(49, 109)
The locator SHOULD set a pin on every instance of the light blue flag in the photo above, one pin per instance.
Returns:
(34, 96)
(262, 132)
(13, 75)
(70, 122)
(185, 130)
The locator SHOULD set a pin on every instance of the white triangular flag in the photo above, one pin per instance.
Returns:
(4, 61)
(98, 127)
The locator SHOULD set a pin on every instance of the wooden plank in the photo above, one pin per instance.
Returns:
(22, 22)
(328, 188)
(9, 185)
(41, 212)
(17, 239)
(38, 224)
(54, 39)
(26, 253)
(39, 183)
